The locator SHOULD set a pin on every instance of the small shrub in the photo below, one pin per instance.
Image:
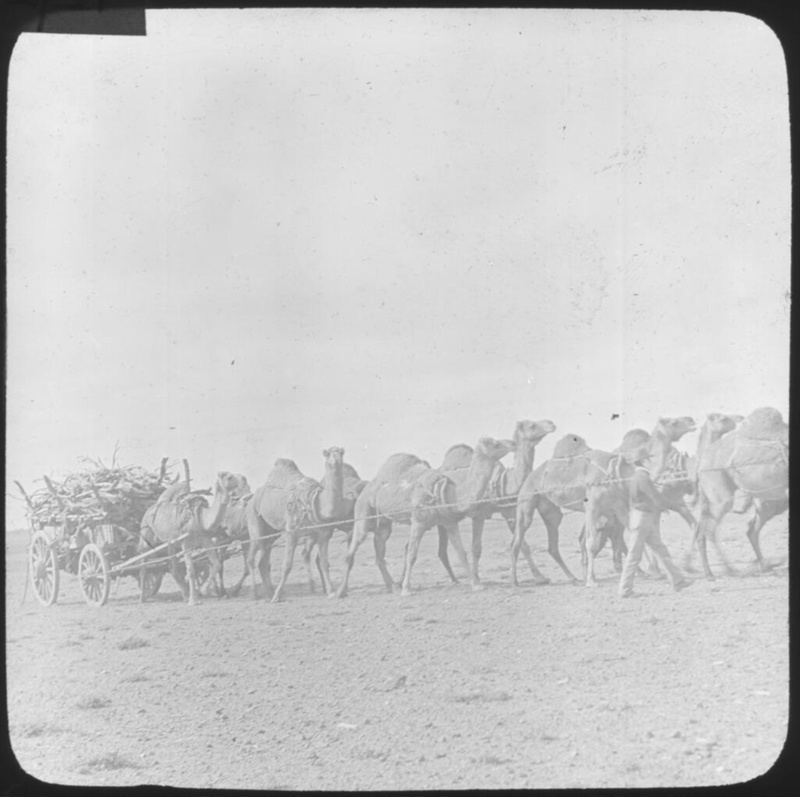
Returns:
(133, 642)
(136, 678)
(481, 697)
(112, 761)
(36, 729)
(93, 702)
(492, 760)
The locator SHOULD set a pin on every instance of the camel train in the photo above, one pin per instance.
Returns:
(741, 464)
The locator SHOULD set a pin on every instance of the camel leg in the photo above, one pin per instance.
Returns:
(142, 574)
(443, 557)
(214, 575)
(616, 534)
(252, 556)
(290, 546)
(308, 545)
(176, 573)
(710, 519)
(593, 538)
(551, 515)
(233, 591)
(362, 526)
(414, 537)
(538, 576)
(265, 569)
(455, 539)
(382, 534)
(191, 577)
(764, 511)
(322, 561)
(477, 546)
(524, 516)
(258, 550)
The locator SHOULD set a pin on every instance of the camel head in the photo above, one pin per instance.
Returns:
(334, 457)
(719, 423)
(234, 485)
(532, 431)
(490, 448)
(635, 446)
(676, 428)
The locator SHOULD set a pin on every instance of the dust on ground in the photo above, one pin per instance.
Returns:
(546, 687)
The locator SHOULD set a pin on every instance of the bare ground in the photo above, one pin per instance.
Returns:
(548, 687)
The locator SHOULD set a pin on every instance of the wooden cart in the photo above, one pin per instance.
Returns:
(98, 555)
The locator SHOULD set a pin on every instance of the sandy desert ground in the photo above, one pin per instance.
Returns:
(545, 687)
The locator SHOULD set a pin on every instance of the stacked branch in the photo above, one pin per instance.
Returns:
(95, 495)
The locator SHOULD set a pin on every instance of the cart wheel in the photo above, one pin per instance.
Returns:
(44, 569)
(152, 582)
(93, 575)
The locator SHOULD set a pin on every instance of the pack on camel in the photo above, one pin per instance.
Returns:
(294, 506)
(501, 495)
(754, 459)
(177, 512)
(670, 470)
(562, 484)
(407, 490)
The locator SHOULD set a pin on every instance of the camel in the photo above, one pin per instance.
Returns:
(561, 484)
(177, 512)
(233, 526)
(353, 485)
(293, 506)
(504, 485)
(754, 459)
(409, 491)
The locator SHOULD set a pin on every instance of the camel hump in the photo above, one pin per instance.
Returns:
(349, 472)
(457, 456)
(570, 446)
(398, 465)
(284, 473)
(765, 423)
(633, 443)
(173, 492)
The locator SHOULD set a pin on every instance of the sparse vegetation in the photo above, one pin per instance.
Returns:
(93, 701)
(112, 761)
(136, 678)
(131, 643)
(36, 729)
(481, 697)
(493, 760)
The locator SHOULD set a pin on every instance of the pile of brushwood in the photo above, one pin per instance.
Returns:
(97, 495)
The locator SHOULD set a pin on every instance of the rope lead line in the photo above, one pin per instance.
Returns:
(676, 478)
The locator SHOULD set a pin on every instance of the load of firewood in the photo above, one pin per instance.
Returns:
(95, 495)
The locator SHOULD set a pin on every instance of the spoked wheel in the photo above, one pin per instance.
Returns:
(93, 575)
(44, 569)
(152, 582)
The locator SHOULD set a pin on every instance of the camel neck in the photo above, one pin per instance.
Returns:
(330, 498)
(523, 465)
(708, 435)
(472, 489)
(660, 449)
(213, 515)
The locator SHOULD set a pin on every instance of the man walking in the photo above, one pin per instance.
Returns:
(645, 516)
